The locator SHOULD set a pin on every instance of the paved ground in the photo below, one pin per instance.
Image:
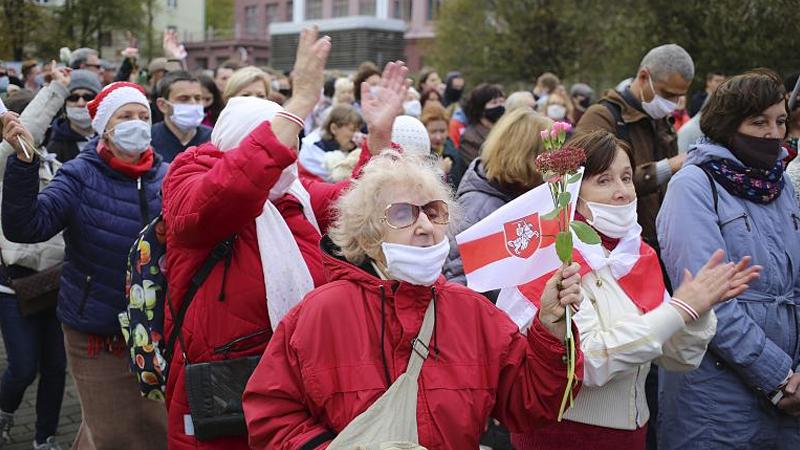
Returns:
(25, 417)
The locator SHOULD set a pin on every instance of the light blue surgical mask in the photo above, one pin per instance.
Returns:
(131, 137)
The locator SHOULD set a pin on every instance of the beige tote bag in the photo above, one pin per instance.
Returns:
(391, 422)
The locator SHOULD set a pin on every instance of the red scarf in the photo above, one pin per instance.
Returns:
(130, 170)
(608, 243)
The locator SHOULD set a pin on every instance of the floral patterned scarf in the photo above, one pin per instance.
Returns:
(756, 185)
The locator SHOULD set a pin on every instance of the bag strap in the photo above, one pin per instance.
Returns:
(713, 188)
(218, 253)
(419, 345)
(622, 131)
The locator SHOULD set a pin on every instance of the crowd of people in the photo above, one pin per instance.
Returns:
(310, 221)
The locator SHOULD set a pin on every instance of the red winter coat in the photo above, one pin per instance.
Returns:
(323, 366)
(208, 196)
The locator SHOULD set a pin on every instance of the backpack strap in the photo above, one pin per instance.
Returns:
(713, 189)
(622, 131)
(218, 253)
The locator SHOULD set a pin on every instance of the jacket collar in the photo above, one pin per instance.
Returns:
(92, 156)
(629, 105)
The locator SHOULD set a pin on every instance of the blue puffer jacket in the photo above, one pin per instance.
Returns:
(724, 403)
(101, 212)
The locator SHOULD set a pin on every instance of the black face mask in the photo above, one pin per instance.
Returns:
(756, 152)
(585, 102)
(494, 114)
(286, 92)
(452, 95)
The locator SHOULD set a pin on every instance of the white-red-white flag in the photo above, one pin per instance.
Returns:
(514, 244)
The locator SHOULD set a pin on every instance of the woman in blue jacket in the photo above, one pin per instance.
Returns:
(101, 200)
(732, 194)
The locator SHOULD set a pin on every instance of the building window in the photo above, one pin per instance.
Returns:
(433, 9)
(272, 13)
(250, 19)
(366, 7)
(313, 9)
(290, 11)
(340, 8)
(172, 4)
(402, 9)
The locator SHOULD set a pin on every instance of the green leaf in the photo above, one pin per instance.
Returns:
(552, 214)
(585, 233)
(563, 199)
(564, 246)
(575, 178)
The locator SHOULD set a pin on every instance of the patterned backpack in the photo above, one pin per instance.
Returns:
(142, 322)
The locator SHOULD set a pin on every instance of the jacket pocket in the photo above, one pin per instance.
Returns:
(342, 393)
(87, 288)
(243, 344)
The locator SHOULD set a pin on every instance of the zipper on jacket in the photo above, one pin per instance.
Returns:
(233, 346)
(142, 202)
(85, 297)
(740, 216)
(636, 395)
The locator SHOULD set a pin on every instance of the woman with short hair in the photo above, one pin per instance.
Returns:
(483, 108)
(732, 193)
(385, 254)
(247, 82)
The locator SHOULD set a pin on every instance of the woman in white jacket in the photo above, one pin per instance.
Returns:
(627, 319)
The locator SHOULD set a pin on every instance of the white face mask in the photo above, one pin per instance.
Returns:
(658, 107)
(614, 221)
(420, 266)
(132, 136)
(556, 112)
(288, 176)
(79, 115)
(187, 116)
(412, 108)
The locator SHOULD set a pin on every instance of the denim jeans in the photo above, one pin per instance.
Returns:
(33, 344)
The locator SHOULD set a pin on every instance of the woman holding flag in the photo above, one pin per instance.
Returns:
(389, 318)
(626, 319)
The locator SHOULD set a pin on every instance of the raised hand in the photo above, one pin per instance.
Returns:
(308, 73)
(172, 48)
(381, 104)
(562, 290)
(61, 75)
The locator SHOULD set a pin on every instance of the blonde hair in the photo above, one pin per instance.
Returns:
(519, 99)
(244, 77)
(564, 100)
(357, 229)
(340, 87)
(510, 151)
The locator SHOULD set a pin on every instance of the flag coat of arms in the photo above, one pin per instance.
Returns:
(515, 244)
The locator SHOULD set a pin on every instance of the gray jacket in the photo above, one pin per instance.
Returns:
(36, 118)
(724, 403)
(477, 197)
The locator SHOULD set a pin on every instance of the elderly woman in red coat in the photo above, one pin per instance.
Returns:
(245, 183)
(337, 352)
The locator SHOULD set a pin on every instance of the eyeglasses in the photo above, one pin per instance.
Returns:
(403, 215)
(75, 97)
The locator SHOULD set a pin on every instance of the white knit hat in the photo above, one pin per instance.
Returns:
(112, 98)
(412, 135)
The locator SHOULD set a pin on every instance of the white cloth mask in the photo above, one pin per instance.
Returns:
(187, 116)
(420, 266)
(614, 221)
(79, 115)
(658, 107)
(556, 112)
(132, 136)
